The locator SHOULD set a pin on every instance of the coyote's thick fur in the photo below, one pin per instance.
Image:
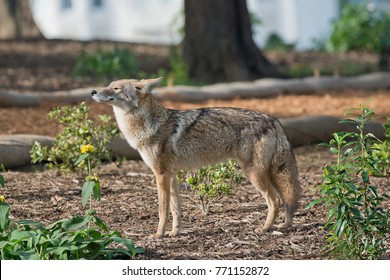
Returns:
(170, 140)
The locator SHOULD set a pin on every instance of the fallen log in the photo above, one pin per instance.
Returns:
(262, 88)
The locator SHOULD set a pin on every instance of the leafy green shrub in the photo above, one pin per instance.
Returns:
(77, 130)
(107, 65)
(362, 29)
(79, 237)
(211, 183)
(67, 239)
(357, 221)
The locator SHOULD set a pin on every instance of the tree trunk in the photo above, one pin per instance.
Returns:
(218, 43)
(16, 20)
(7, 24)
(384, 49)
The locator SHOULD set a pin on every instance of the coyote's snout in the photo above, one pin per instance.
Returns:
(169, 140)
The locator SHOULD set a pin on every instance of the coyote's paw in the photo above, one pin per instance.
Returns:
(263, 229)
(155, 236)
(174, 233)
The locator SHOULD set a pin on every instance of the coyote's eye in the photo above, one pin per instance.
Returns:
(116, 88)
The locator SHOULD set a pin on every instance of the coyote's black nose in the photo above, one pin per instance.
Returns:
(93, 92)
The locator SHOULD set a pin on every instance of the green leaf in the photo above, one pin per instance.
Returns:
(30, 223)
(87, 192)
(365, 177)
(81, 158)
(341, 209)
(76, 222)
(62, 249)
(96, 190)
(2, 183)
(94, 250)
(126, 242)
(347, 121)
(331, 213)
(28, 255)
(119, 253)
(19, 235)
(324, 145)
(328, 170)
(4, 216)
(374, 191)
(314, 202)
(356, 212)
(340, 227)
(56, 224)
(100, 223)
(94, 234)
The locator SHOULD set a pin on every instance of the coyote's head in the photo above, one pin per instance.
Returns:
(125, 94)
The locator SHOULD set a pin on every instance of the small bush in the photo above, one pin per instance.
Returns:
(107, 65)
(211, 183)
(362, 28)
(77, 130)
(358, 221)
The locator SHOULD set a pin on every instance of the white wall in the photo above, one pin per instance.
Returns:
(122, 20)
(296, 21)
(148, 21)
(314, 19)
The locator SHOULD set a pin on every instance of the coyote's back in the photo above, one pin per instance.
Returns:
(169, 140)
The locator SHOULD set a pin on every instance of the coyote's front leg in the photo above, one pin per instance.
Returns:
(163, 188)
(175, 207)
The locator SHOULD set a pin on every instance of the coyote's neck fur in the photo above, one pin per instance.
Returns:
(141, 123)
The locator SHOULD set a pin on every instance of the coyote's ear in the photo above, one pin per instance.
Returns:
(146, 86)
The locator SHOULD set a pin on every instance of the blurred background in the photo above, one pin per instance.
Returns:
(303, 61)
(189, 42)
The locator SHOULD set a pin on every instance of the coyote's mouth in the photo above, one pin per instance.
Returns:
(95, 95)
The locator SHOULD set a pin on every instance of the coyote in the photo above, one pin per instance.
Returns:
(169, 140)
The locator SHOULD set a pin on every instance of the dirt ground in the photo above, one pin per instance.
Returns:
(129, 205)
(129, 195)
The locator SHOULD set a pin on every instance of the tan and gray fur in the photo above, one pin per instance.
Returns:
(169, 140)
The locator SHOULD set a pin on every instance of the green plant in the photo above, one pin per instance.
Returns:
(92, 183)
(77, 130)
(358, 223)
(79, 237)
(276, 43)
(363, 29)
(107, 65)
(4, 208)
(211, 183)
(381, 153)
(178, 71)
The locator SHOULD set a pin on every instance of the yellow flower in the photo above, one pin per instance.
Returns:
(93, 178)
(2, 198)
(87, 149)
